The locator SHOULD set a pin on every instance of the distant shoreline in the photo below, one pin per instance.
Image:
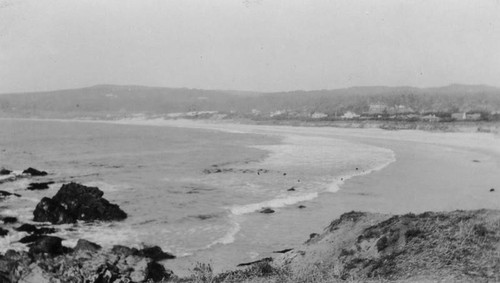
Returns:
(390, 125)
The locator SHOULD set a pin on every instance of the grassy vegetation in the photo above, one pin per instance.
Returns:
(454, 246)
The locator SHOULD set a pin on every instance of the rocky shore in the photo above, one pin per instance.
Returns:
(47, 260)
(457, 246)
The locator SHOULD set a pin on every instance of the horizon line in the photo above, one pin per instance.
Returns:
(247, 91)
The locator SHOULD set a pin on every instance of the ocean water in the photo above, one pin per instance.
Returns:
(165, 179)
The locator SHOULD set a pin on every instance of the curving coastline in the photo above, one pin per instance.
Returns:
(480, 160)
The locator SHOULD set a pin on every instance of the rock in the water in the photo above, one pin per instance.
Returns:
(30, 238)
(302, 206)
(9, 220)
(39, 186)
(3, 232)
(4, 171)
(155, 253)
(266, 210)
(156, 272)
(77, 202)
(32, 229)
(34, 172)
(84, 245)
(49, 210)
(7, 194)
(47, 244)
(492, 190)
(291, 189)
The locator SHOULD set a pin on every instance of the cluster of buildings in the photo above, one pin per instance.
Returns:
(377, 111)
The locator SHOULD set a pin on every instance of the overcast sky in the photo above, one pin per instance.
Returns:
(263, 45)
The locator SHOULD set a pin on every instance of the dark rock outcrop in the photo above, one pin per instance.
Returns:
(156, 272)
(4, 171)
(34, 172)
(267, 210)
(49, 261)
(47, 244)
(30, 238)
(77, 202)
(9, 220)
(3, 232)
(39, 186)
(4, 194)
(84, 245)
(215, 169)
(124, 251)
(155, 253)
(32, 229)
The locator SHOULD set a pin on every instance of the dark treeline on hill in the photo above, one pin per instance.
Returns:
(119, 101)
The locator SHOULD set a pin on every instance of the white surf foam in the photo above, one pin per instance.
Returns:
(230, 236)
(273, 203)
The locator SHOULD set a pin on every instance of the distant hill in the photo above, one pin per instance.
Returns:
(115, 100)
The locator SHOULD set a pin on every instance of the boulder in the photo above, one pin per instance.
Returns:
(7, 194)
(39, 186)
(77, 202)
(3, 232)
(12, 264)
(124, 251)
(155, 253)
(9, 220)
(47, 244)
(267, 210)
(84, 245)
(35, 274)
(32, 229)
(4, 171)
(49, 210)
(34, 172)
(156, 272)
(30, 238)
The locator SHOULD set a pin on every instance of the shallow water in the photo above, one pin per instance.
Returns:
(156, 175)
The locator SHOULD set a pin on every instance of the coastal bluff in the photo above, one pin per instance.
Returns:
(457, 246)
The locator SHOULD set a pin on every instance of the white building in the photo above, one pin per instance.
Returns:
(350, 115)
(318, 115)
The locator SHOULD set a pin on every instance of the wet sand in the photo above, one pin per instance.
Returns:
(432, 172)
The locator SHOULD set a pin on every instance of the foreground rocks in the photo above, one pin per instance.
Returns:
(77, 202)
(49, 261)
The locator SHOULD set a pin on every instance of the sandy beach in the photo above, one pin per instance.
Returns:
(431, 172)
